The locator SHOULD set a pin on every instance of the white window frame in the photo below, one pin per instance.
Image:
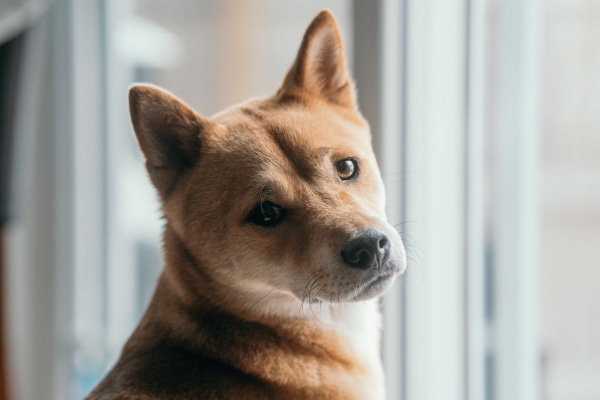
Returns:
(515, 215)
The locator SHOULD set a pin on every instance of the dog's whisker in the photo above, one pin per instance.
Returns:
(321, 307)
(310, 304)
(306, 295)
(315, 282)
(311, 282)
(262, 298)
(320, 291)
(315, 300)
(401, 223)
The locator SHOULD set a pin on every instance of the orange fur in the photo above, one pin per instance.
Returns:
(232, 316)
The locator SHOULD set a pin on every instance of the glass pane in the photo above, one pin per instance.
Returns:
(570, 231)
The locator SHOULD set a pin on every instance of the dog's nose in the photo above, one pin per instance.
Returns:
(368, 250)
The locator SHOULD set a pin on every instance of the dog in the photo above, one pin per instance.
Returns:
(276, 243)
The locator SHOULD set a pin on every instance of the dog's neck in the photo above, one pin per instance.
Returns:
(185, 305)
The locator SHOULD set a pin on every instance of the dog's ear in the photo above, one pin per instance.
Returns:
(168, 132)
(320, 66)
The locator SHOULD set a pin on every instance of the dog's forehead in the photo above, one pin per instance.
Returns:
(296, 129)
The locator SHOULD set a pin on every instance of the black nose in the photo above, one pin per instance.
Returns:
(368, 250)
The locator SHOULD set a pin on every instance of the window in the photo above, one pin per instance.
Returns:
(485, 119)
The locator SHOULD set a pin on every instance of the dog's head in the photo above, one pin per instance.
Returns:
(280, 194)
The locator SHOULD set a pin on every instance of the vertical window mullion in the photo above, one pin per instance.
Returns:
(514, 211)
(474, 200)
(435, 200)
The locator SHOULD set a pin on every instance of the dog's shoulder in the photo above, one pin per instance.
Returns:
(226, 357)
(169, 371)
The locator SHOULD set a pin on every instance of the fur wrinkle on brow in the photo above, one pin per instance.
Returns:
(252, 113)
(298, 156)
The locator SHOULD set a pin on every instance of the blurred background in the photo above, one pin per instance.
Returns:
(486, 120)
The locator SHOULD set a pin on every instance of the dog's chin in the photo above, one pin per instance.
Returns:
(366, 289)
(373, 288)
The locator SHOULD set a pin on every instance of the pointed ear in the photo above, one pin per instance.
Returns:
(320, 66)
(168, 132)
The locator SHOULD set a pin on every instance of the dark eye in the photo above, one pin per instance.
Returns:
(347, 168)
(267, 214)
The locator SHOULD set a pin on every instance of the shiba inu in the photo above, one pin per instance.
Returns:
(276, 243)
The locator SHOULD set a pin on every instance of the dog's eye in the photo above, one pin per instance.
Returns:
(267, 214)
(347, 168)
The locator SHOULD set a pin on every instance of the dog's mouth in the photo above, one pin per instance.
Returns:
(364, 288)
(373, 287)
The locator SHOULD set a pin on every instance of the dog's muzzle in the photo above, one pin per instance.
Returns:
(369, 250)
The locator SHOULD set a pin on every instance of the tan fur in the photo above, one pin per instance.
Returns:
(249, 312)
